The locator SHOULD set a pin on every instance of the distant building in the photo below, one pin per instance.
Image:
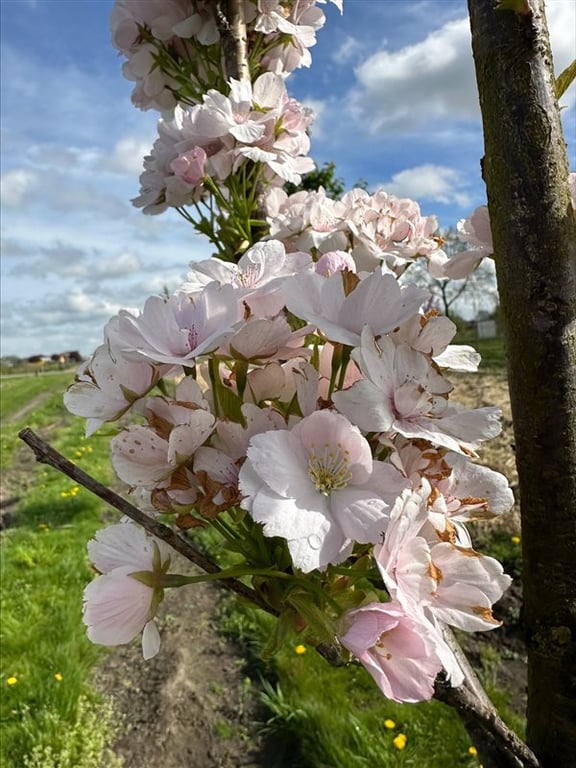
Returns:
(486, 329)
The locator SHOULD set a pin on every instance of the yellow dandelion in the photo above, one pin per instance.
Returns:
(64, 494)
(78, 454)
(390, 724)
(58, 677)
(515, 539)
(89, 448)
(12, 680)
(400, 741)
(472, 751)
(300, 650)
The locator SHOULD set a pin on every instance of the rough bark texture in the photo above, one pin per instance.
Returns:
(232, 27)
(534, 232)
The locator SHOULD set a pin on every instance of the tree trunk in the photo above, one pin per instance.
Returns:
(534, 231)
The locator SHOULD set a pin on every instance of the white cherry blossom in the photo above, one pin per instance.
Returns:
(180, 328)
(341, 314)
(117, 606)
(318, 487)
(403, 393)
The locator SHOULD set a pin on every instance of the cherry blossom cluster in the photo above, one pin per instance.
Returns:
(378, 229)
(172, 47)
(313, 398)
(253, 124)
(292, 395)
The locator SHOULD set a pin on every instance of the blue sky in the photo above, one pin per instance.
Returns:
(391, 82)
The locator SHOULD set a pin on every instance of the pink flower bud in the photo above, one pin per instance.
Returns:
(190, 165)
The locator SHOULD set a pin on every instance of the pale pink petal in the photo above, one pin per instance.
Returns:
(122, 545)
(395, 649)
(150, 640)
(140, 456)
(116, 607)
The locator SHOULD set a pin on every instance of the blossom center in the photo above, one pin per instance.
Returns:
(193, 338)
(248, 277)
(328, 468)
(380, 647)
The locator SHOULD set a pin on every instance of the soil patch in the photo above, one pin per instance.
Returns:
(192, 705)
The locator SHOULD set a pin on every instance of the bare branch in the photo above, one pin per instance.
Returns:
(497, 744)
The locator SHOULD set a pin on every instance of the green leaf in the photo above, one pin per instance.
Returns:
(518, 6)
(565, 80)
(319, 624)
(282, 629)
(231, 404)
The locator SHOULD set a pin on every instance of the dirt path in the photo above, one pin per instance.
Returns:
(191, 706)
(30, 406)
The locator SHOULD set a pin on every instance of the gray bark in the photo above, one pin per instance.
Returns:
(534, 231)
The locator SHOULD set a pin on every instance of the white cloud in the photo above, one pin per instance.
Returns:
(434, 183)
(319, 108)
(127, 156)
(15, 187)
(68, 260)
(347, 50)
(75, 306)
(430, 80)
(120, 266)
(433, 80)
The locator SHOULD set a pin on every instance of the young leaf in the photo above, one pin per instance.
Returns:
(565, 80)
(518, 6)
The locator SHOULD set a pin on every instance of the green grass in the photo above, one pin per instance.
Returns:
(46, 659)
(17, 391)
(318, 716)
(492, 351)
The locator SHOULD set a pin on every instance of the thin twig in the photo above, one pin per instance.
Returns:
(471, 679)
(45, 454)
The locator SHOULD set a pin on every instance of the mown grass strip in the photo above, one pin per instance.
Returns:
(46, 704)
(18, 391)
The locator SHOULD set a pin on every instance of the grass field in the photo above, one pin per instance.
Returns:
(49, 716)
(492, 350)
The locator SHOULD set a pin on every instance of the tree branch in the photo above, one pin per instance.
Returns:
(232, 27)
(45, 454)
(497, 744)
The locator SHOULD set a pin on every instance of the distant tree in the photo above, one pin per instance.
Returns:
(321, 177)
(469, 297)
(324, 177)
